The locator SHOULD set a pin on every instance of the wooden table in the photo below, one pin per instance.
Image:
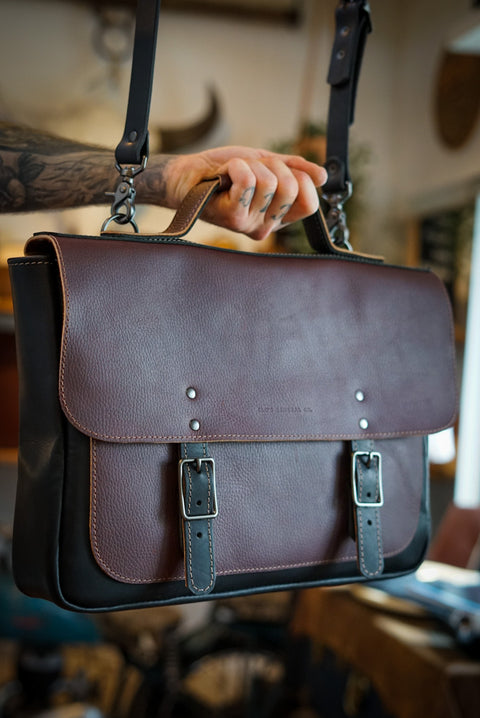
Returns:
(413, 664)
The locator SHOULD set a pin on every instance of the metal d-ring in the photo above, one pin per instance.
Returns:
(120, 219)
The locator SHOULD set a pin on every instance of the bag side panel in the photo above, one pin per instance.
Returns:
(37, 309)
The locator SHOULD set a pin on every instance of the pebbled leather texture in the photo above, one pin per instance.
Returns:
(97, 524)
(276, 347)
(281, 506)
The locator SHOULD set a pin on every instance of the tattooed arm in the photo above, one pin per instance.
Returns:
(39, 171)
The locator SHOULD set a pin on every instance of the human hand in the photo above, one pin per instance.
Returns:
(268, 191)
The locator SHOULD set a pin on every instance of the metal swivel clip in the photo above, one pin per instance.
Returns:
(123, 205)
(337, 219)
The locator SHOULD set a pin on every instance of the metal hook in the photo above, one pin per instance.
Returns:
(336, 217)
(123, 198)
(123, 205)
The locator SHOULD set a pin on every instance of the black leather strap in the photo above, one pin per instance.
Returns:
(198, 508)
(367, 495)
(133, 146)
(352, 19)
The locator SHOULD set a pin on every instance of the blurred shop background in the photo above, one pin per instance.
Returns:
(253, 72)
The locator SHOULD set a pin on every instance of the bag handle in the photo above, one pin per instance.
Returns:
(197, 199)
(131, 153)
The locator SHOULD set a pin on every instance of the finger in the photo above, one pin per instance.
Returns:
(258, 196)
(231, 209)
(263, 191)
(306, 202)
(317, 173)
(265, 194)
(285, 195)
(254, 187)
(241, 193)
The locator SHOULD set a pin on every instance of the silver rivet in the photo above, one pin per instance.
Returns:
(345, 31)
(363, 423)
(133, 136)
(194, 424)
(359, 395)
(340, 54)
(191, 393)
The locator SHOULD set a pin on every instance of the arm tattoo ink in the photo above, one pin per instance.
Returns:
(40, 171)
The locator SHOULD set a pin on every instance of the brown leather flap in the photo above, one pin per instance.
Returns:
(275, 347)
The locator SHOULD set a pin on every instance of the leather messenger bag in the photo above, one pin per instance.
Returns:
(201, 423)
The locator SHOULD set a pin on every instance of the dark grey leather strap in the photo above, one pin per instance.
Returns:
(133, 147)
(352, 26)
(198, 509)
(367, 495)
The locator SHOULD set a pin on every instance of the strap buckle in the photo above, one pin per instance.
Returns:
(198, 463)
(372, 455)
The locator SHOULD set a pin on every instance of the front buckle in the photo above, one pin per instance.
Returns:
(198, 462)
(372, 455)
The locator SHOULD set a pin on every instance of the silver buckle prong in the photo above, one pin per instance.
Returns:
(371, 456)
(198, 462)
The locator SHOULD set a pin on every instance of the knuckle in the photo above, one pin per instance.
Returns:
(307, 200)
(236, 220)
(271, 187)
(289, 187)
(260, 233)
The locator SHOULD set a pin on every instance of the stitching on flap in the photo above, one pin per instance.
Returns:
(129, 438)
(230, 572)
(220, 437)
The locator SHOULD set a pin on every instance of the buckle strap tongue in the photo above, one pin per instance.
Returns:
(367, 495)
(198, 508)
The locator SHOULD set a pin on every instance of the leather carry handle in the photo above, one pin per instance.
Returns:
(199, 196)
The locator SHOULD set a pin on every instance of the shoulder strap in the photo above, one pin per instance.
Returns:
(133, 147)
(352, 26)
(352, 19)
